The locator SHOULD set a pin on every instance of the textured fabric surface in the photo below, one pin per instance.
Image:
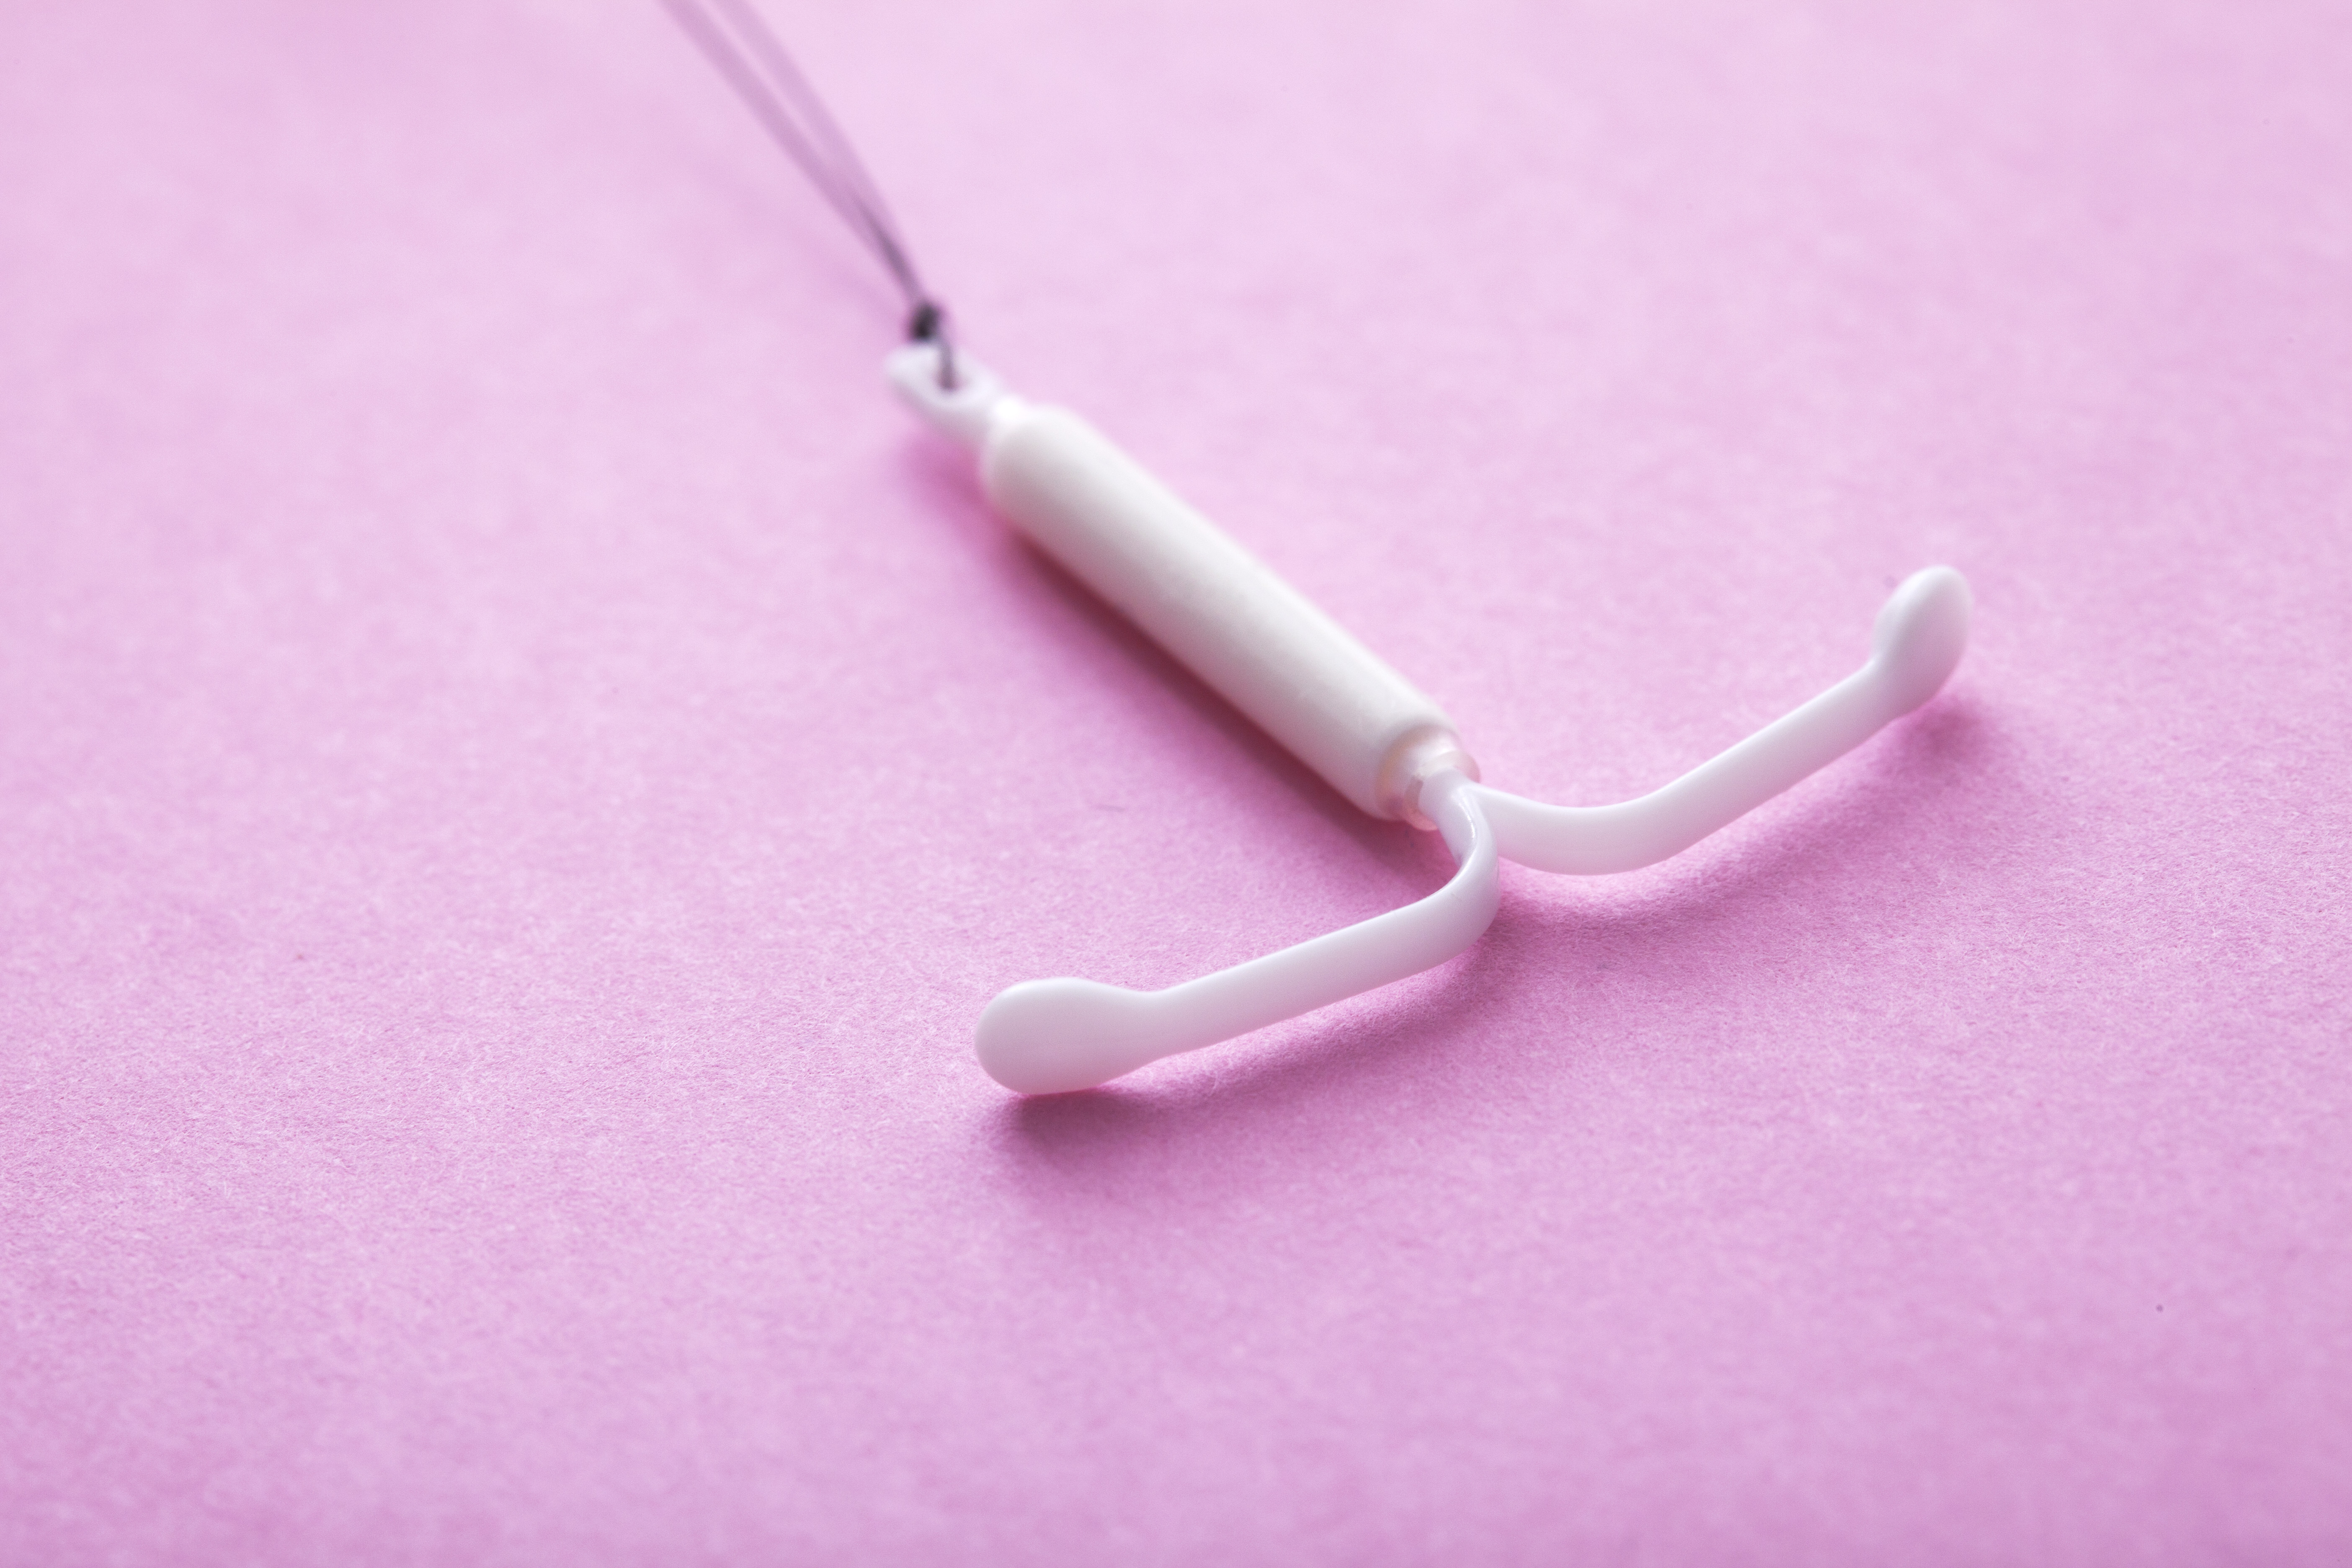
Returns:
(519, 765)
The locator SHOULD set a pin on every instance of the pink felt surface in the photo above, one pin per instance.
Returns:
(519, 767)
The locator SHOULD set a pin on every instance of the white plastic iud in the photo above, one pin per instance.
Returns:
(1345, 714)
(1288, 666)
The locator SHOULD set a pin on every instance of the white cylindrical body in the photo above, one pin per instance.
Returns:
(1217, 608)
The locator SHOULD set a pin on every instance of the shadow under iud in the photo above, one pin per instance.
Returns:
(1275, 1071)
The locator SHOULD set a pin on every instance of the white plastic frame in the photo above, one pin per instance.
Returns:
(1368, 731)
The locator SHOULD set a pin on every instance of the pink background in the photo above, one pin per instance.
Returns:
(519, 766)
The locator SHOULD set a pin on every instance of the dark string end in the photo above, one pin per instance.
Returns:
(743, 48)
(929, 324)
